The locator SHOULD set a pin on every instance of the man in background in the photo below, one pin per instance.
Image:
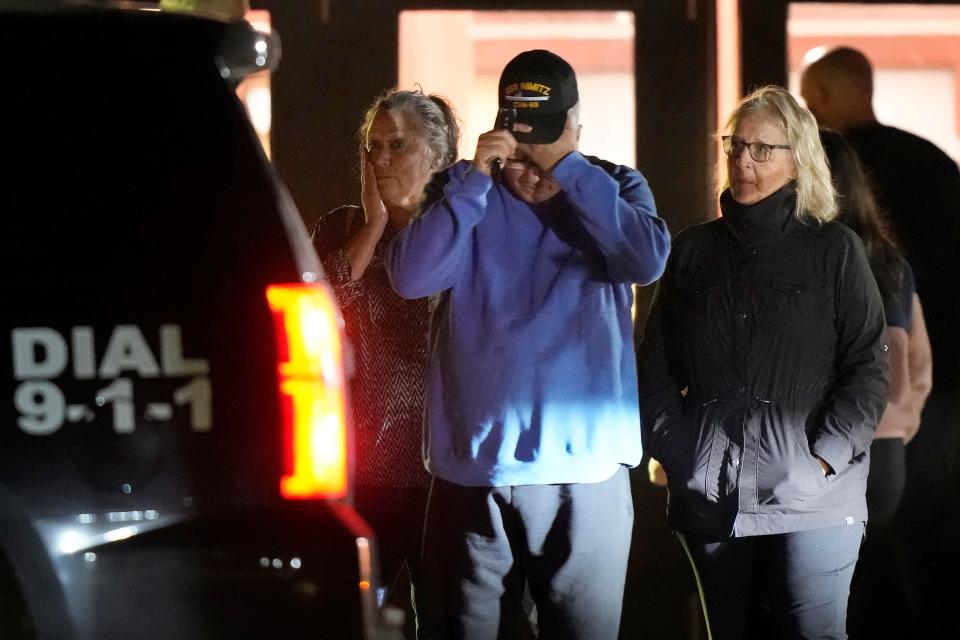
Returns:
(919, 187)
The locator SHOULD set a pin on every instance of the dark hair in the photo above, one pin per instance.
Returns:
(431, 115)
(860, 212)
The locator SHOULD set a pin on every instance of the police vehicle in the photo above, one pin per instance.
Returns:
(175, 452)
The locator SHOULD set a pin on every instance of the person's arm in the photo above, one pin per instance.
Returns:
(899, 391)
(346, 238)
(856, 401)
(617, 209)
(362, 245)
(911, 369)
(429, 255)
(920, 367)
(896, 416)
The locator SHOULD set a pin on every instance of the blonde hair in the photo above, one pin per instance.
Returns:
(816, 198)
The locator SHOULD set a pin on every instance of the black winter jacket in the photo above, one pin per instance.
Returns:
(764, 349)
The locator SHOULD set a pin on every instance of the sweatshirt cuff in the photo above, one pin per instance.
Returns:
(572, 166)
(474, 181)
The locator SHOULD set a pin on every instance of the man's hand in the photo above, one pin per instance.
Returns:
(496, 145)
(546, 156)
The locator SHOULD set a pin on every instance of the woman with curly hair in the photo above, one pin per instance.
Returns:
(405, 138)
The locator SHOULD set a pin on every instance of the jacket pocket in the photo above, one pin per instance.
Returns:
(799, 329)
(786, 297)
(690, 454)
(804, 444)
(799, 300)
(671, 450)
(789, 473)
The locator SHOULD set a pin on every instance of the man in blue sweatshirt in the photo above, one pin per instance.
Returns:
(532, 415)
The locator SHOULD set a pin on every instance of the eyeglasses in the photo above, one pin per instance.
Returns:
(759, 151)
(519, 166)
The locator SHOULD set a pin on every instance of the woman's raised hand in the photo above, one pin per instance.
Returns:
(373, 207)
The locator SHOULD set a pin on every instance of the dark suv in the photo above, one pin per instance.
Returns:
(175, 457)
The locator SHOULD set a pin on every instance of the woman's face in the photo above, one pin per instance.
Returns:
(399, 159)
(752, 181)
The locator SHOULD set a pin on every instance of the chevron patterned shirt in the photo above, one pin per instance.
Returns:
(389, 339)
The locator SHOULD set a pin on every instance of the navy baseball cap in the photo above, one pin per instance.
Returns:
(542, 87)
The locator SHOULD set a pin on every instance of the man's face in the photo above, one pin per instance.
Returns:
(528, 182)
(523, 173)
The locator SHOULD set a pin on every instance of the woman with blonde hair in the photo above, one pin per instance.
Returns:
(763, 375)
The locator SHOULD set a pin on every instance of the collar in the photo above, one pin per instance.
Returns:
(764, 221)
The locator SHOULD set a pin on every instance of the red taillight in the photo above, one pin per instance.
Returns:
(312, 391)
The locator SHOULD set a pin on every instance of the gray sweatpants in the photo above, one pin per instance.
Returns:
(568, 542)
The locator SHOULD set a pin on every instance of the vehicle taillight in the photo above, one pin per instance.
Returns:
(312, 391)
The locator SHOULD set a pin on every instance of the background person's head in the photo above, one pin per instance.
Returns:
(408, 136)
(772, 116)
(837, 85)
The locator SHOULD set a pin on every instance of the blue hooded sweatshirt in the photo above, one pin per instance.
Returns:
(532, 370)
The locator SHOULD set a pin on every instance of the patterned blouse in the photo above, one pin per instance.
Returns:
(389, 339)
